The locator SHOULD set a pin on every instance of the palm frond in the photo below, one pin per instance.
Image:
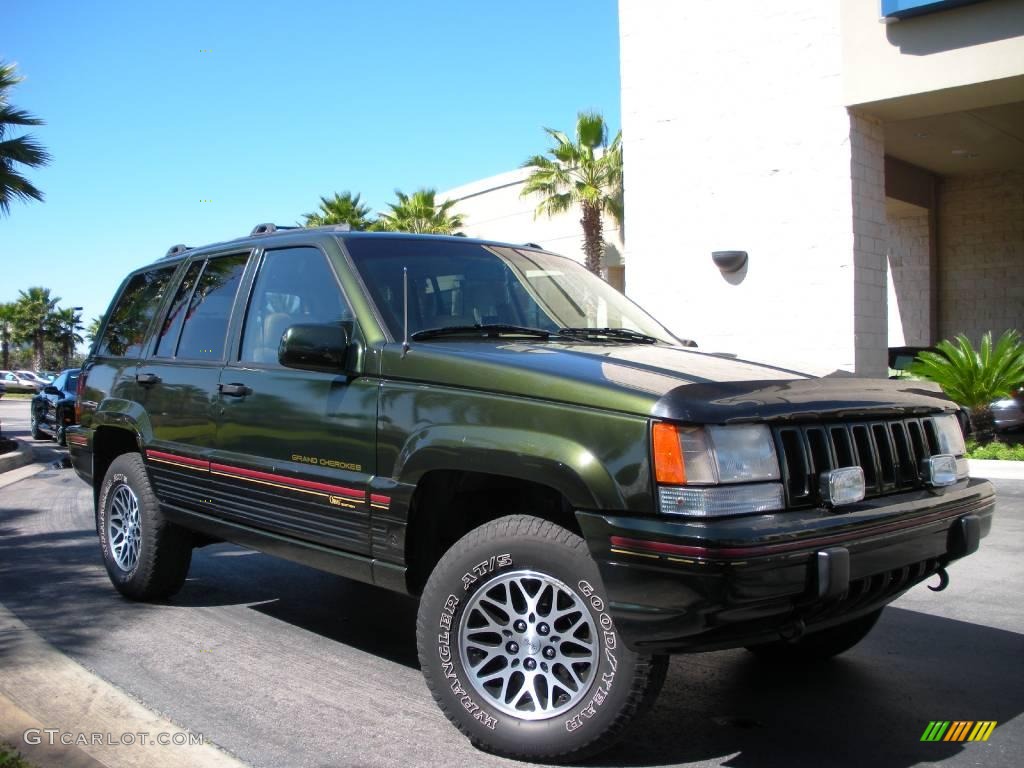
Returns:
(974, 377)
(13, 116)
(24, 150)
(591, 130)
(14, 186)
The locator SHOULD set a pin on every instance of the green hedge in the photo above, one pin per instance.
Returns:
(996, 450)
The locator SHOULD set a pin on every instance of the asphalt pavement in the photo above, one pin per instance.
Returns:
(281, 665)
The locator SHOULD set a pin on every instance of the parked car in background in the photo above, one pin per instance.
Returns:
(1008, 411)
(16, 383)
(3, 388)
(33, 376)
(53, 409)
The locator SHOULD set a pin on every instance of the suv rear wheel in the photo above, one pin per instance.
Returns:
(518, 649)
(147, 557)
(819, 645)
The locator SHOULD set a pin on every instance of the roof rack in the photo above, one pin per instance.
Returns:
(175, 250)
(343, 227)
(268, 229)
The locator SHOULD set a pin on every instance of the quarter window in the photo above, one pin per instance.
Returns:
(295, 285)
(126, 329)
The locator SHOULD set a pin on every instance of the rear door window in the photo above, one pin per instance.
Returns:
(171, 329)
(205, 324)
(125, 331)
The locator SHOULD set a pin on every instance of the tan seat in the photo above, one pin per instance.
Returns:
(274, 326)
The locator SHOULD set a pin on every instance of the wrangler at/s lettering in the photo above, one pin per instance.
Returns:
(572, 492)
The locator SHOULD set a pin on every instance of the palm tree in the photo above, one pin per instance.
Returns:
(345, 208)
(64, 327)
(33, 311)
(421, 213)
(92, 331)
(7, 332)
(22, 150)
(975, 378)
(587, 172)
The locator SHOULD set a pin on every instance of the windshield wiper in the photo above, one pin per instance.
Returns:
(486, 330)
(615, 334)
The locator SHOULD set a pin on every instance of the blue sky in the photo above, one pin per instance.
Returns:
(292, 101)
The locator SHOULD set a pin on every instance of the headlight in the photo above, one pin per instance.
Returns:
(715, 456)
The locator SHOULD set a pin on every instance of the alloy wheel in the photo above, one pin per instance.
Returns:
(529, 645)
(124, 530)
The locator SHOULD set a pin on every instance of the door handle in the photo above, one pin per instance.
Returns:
(147, 379)
(234, 390)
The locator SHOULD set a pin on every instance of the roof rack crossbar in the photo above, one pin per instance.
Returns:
(268, 229)
(174, 250)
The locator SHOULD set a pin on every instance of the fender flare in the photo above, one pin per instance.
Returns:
(538, 457)
(123, 414)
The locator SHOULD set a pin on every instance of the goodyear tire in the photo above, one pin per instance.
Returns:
(37, 433)
(147, 557)
(819, 646)
(518, 648)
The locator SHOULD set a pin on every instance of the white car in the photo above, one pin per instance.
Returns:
(33, 376)
(17, 383)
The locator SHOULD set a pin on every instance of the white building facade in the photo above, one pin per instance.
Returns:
(873, 172)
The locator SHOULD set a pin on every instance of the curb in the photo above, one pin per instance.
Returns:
(17, 458)
(1000, 470)
(90, 721)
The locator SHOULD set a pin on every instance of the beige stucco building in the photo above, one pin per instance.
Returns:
(867, 155)
(873, 172)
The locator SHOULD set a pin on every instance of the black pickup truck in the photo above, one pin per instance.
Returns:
(572, 491)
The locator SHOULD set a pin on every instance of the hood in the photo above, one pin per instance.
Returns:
(652, 380)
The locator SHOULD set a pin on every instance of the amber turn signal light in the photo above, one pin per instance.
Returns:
(668, 455)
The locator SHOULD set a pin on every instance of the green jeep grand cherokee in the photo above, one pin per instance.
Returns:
(572, 491)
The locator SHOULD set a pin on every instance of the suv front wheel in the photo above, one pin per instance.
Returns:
(519, 650)
(147, 557)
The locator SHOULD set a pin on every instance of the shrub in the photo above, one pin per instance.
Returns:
(975, 377)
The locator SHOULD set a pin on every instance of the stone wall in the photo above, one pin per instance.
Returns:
(981, 254)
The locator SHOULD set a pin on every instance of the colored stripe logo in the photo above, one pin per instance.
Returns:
(958, 730)
(337, 495)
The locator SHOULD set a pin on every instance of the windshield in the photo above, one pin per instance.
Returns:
(466, 284)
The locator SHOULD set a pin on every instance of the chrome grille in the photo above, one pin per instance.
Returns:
(889, 451)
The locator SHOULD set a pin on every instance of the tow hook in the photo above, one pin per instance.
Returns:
(943, 580)
(792, 632)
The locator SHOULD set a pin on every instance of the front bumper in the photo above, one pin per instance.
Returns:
(678, 585)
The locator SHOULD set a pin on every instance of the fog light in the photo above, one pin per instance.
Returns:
(842, 486)
(940, 470)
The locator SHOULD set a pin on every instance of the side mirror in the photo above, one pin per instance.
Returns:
(319, 347)
(51, 390)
